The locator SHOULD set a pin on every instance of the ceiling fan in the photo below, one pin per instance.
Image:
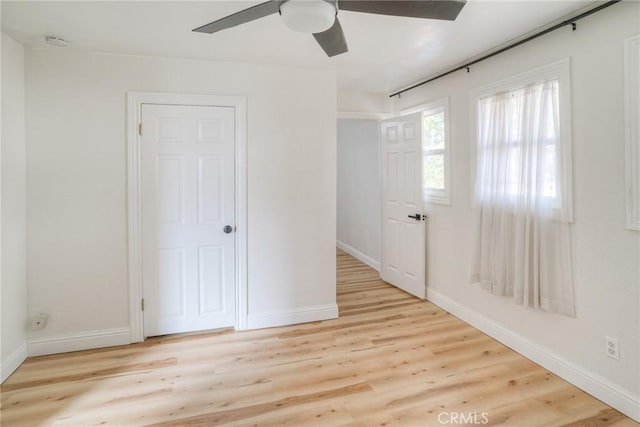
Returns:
(320, 17)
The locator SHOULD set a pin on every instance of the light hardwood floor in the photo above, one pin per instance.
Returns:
(390, 359)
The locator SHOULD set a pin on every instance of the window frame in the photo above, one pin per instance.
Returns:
(560, 71)
(436, 196)
(632, 130)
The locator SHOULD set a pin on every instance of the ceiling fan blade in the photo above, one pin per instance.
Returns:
(432, 9)
(256, 12)
(332, 41)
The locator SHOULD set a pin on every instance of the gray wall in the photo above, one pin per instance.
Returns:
(358, 189)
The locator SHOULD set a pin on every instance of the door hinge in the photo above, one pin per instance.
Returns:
(139, 128)
(142, 304)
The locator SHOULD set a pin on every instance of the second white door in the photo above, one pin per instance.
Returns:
(188, 215)
(403, 227)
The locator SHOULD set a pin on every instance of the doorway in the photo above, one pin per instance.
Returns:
(403, 254)
(187, 213)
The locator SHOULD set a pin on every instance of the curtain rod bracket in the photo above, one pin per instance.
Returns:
(468, 69)
(573, 26)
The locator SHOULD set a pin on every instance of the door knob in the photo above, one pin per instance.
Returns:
(227, 229)
(417, 217)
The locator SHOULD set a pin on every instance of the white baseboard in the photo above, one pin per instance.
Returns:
(359, 255)
(14, 361)
(80, 341)
(592, 383)
(292, 317)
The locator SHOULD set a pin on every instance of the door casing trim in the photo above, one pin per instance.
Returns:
(135, 100)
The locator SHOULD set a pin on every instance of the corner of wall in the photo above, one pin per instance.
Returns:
(13, 281)
(373, 263)
(13, 361)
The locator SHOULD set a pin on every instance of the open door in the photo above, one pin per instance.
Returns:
(403, 223)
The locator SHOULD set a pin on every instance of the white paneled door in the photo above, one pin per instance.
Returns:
(188, 244)
(403, 226)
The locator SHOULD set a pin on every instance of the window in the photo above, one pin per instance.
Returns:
(435, 153)
(523, 140)
(511, 110)
(523, 189)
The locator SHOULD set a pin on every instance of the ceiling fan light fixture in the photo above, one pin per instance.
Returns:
(308, 16)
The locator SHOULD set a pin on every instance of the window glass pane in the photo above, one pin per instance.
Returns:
(549, 185)
(434, 171)
(514, 171)
(551, 113)
(434, 131)
(518, 145)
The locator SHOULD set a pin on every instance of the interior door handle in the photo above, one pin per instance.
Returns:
(417, 217)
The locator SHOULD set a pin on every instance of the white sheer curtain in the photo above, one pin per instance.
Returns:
(523, 245)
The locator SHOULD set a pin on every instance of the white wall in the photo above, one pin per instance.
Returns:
(358, 189)
(77, 236)
(607, 267)
(14, 270)
(364, 104)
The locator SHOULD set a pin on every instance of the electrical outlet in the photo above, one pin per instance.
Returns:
(38, 322)
(613, 348)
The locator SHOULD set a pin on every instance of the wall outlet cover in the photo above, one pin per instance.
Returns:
(38, 322)
(613, 348)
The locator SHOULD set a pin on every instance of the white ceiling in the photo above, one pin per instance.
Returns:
(385, 53)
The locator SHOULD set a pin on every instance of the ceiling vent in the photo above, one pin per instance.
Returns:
(56, 41)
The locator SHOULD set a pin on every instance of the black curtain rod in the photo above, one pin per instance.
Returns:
(466, 66)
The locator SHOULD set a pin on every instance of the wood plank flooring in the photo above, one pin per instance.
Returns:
(389, 360)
